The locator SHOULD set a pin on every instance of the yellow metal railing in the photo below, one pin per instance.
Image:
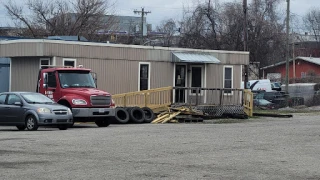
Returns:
(248, 102)
(154, 98)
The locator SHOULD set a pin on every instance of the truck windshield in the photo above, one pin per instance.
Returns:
(76, 79)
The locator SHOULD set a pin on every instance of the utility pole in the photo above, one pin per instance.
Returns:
(142, 17)
(293, 60)
(287, 44)
(245, 39)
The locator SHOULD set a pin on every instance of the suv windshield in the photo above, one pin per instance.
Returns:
(76, 79)
(36, 98)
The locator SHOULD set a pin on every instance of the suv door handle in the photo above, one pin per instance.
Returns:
(8, 107)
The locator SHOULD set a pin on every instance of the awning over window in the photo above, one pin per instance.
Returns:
(194, 57)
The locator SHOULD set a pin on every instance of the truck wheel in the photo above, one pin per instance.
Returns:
(103, 122)
(31, 123)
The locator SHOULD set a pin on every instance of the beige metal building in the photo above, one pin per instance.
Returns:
(125, 68)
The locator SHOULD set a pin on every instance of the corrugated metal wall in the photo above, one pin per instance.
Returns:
(121, 76)
(24, 74)
(215, 80)
(4, 74)
(117, 66)
(107, 51)
(8, 49)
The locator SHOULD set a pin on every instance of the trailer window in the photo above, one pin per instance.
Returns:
(228, 79)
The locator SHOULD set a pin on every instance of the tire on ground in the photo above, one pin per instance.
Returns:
(136, 114)
(121, 115)
(149, 114)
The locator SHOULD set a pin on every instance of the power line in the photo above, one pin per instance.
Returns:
(142, 12)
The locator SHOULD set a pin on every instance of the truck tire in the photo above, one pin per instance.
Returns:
(121, 115)
(136, 114)
(149, 115)
(102, 122)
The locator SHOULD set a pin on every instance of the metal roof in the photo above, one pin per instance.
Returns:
(310, 59)
(307, 59)
(194, 57)
(68, 38)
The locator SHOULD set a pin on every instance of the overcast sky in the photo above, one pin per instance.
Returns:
(164, 9)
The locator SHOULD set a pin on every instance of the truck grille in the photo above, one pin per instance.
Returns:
(100, 100)
(60, 112)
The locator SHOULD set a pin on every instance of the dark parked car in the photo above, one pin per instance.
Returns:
(276, 86)
(276, 97)
(264, 104)
(31, 110)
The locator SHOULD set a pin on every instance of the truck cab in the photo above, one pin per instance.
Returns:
(75, 87)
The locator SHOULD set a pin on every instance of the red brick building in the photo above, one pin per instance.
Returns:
(303, 67)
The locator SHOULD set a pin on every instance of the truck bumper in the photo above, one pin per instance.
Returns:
(93, 112)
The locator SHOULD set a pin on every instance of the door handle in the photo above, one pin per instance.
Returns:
(8, 107)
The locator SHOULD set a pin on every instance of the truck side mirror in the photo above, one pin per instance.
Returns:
(45, 80)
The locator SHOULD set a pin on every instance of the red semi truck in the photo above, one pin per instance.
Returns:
(75, 87)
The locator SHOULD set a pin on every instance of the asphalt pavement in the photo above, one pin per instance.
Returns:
(264, 148)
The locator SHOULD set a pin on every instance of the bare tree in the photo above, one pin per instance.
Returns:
(169, 28)
(220, 26)
(312, 23)
(59, 17)
(201, 27)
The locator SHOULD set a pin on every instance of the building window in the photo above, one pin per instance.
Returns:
(303, 74)
(144, 76)
(196, 78)
(44, 62)
(228, 79)
(69, 62)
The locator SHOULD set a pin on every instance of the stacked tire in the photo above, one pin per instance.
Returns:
(135, 115)
(121, 116)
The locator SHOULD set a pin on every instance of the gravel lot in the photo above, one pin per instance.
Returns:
(264, 148)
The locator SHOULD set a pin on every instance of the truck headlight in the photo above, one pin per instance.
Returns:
(44, 110)
(79, 102)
